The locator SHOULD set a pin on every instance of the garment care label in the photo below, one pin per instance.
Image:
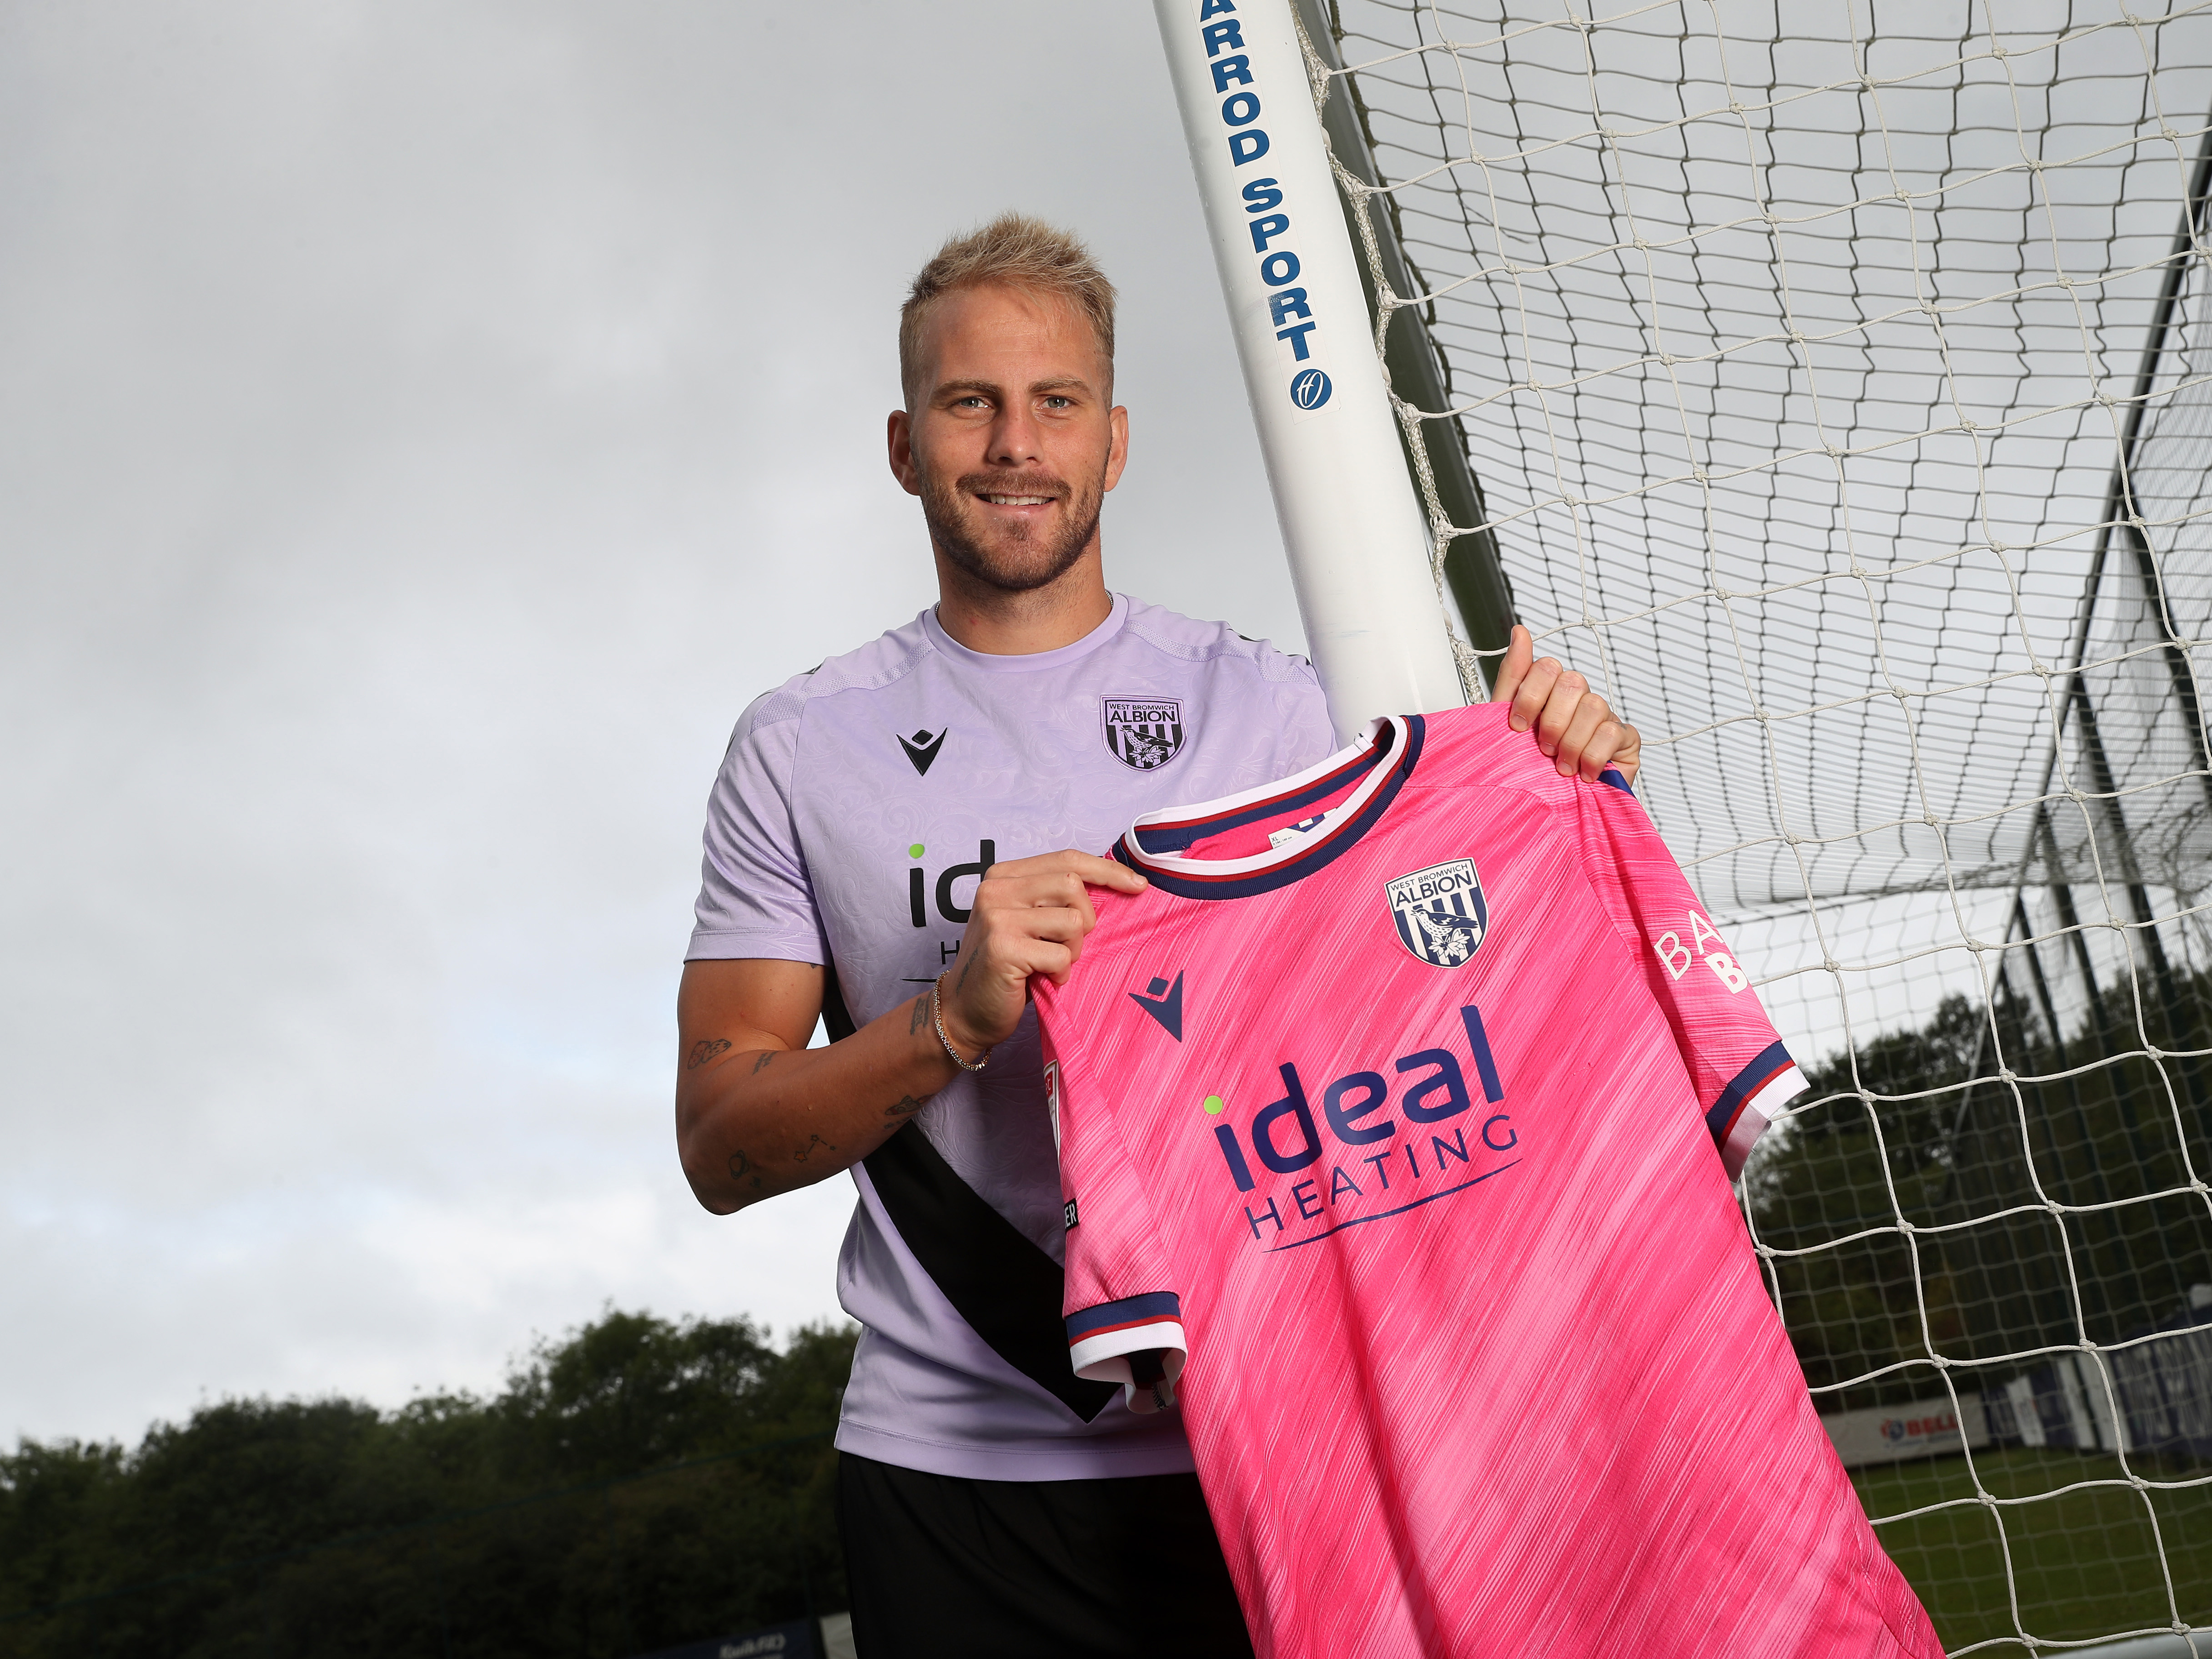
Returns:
(1290, 832)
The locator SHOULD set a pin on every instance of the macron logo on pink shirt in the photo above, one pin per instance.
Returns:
(1164, 1002)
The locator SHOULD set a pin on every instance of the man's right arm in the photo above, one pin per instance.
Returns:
(759, 1113)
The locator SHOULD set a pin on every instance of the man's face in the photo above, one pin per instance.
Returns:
(1012, 439)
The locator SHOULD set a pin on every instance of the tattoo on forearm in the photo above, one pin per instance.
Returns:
(799, 1156)
(964, 967)
(761, 1064)
(904, 1106)
(704, 1050)
(920, 1015)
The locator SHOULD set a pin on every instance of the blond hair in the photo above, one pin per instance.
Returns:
(1013, 250)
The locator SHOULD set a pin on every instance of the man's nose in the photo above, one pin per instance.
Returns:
(1015, 439)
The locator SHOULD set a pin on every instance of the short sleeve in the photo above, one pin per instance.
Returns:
(1124, 1318)
(1743, 1074)
(755, 897)
(1307, 736)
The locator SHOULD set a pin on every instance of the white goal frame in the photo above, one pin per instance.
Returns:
(1358, 540)
(1803, 353)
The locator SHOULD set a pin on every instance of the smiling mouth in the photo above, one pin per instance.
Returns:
(1018, 500)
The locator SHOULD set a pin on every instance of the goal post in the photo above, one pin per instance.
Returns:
(1420, 377)
(1836, 384)
(1354, 531)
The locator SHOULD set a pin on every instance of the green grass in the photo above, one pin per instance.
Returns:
(2084, 1564)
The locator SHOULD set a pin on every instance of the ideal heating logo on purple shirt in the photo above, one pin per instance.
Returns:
(918, 893)
(1400, 1173)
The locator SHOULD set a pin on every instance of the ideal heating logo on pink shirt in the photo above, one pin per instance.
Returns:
(1375, 1167)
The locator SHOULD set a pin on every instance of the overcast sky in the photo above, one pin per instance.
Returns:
(425, 428)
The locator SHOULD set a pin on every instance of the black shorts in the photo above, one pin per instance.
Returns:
(940, 1564)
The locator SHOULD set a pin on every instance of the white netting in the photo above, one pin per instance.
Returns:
(1796, 347)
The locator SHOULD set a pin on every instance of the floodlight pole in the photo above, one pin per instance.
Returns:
(1356, 536)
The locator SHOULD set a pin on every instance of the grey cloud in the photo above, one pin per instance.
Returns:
(425, 428)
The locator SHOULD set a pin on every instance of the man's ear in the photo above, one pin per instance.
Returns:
(899, 435)
(1117, 451)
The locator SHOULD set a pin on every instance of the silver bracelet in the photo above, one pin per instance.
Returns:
(937, 1020)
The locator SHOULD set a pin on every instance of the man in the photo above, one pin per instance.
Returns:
(992, 1502)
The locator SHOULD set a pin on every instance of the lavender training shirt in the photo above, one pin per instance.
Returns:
(853, 814)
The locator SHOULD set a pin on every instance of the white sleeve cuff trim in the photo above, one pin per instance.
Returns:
(1769, 1101)
(1104, 1358)
(1757, 1113)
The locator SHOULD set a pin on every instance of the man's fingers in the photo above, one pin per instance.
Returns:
(1084, 867)
(1534, 695)
(1613, 743)
(1062, 890)
(1595, 739)
(1629, 755)
(1573, 724)
(1604, 744)
(1109, 873)
(982, 1000)
(1053, 965)
(1520, 652)
(1063, 923)
(1574, 752)
(1568, 690)
(1029, 918)
(1020, 892)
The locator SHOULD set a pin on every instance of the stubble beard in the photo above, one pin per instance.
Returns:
(1024, 561)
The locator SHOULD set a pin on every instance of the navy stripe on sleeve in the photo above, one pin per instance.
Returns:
(1772, 1061)
(1129, 1310)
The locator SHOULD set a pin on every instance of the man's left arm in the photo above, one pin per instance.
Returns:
(1574, 725)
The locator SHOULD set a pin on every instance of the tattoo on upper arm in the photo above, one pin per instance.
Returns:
(704, 1050)
(741, 1166)
(799, 1155)
(761, 1064)
(904, 1106)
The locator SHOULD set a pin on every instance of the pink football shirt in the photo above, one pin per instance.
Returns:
(1396, 1121)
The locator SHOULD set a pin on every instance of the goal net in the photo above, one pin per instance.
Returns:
(1832, 382)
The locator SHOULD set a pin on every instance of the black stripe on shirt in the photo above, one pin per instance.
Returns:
(994, 1274)
(996, 1277)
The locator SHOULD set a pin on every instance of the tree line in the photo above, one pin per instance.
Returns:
(637, 1484)
(1924, 1125)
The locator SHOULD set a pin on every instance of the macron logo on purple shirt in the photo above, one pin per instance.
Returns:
(921, 748)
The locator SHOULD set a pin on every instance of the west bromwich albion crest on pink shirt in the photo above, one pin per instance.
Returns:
(1396, 1121)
